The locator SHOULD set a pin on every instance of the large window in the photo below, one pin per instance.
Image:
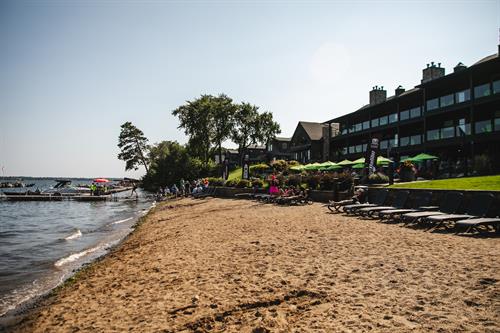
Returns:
(344, 151)
(446, 100)
(447, 132)
(463, 128)
(375, 122)
(432, 104)
(351, 150)
(404, 115)
(384, 144)
(433, 135)
(366, 124)
(383, 121)
(483, 126)
(482, 90)
(496, 87)
(359, 148)
(393, 118)
(415, 112)
(462, 96)
(415, 139)
(365, 145)
(497, 124)
(405, 141)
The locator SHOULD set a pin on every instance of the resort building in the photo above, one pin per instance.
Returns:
(455, 116)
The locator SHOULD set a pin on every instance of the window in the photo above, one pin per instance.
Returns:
(482, 90)
(384, 144)
(404, 115)
(462, 96)
(447, 132)
(270, 148)
(433, 135)
(432, 104)
(383, 120)
(404, 141)
(344, 151)
(415, 112)
(483, 126)
(358, 148)
(375, 122)
(393, 118)
(365, 145)
(446, 100)
(343, 129)
(395, 141)
(497, 124)
(358, 127)
(416, 139)
(463, 128)
(309, 155)
(366, 124)
(496, 87)
(351, 150)
(283, 145)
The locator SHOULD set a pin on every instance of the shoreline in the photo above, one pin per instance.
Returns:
(236, 265)
(12, 318)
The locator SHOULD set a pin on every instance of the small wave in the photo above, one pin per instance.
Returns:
(75, 256)
(121, 221)
(75, 235)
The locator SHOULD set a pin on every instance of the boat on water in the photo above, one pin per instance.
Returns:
(62, 187)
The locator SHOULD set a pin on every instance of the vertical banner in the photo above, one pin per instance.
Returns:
(246, 167)
(372, 156)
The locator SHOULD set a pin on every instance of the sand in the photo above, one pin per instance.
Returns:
(218, 265)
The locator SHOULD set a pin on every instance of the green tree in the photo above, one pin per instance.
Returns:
(223, 111)
(250, 127)
(134, 147)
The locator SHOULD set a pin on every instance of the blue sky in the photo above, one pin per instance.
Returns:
(73, 71)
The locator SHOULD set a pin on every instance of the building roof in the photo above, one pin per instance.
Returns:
(282, 139)
(313, 130)
(256, 147)
(485, 59)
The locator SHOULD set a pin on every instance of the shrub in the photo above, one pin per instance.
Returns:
(258, 169)
(230, 183)
(293, 180)
(345, 181)
(216, 181)
(313, 181)
(257, 182)
(326, 182)
(378, 178)
(279, 165)
(293, 163)
(243, 183)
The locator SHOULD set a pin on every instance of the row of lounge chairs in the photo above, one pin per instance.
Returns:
(301, 199)
(378, 206)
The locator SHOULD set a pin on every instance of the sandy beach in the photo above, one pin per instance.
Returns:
(218, 265)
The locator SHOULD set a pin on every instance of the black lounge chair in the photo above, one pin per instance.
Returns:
(379, 199)
(478, 207)
(399, 202)
(449, 205)
(479, 224)
(206, 193)
(421, 202)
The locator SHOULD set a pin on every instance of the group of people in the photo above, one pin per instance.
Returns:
(184, 189)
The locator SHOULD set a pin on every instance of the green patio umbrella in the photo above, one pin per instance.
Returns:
(327, 164)
(358, 166)
(411, 159)
(331, 167)
(424, 157)
(345, 163)
(312, 166)
(382, 160)
(297, 168)
(359, 160)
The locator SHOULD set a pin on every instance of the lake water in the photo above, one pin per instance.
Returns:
(43, 242)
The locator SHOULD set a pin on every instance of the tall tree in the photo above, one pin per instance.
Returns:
(223, 111)
(134, 147)
(250, 127)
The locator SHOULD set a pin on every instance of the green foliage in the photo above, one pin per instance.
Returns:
(243, 183)
(257, 182)
(326, 182)
(134, 147)
(484, 183)
(231, 183)
(212, 181)
(313, 181)
(280, 165)
(293, 163)
(258, 169)
(378, 178)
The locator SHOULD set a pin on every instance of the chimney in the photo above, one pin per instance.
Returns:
(459, 67)
(432, 72)
(399, 90)
(377, 95)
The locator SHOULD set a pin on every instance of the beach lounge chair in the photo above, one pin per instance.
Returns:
(449, 205)
(399, 202)
(421, 203)
(206, 193)
(478, 207)
(479, 224)
(379, 199)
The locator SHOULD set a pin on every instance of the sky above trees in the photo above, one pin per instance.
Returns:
(74, 71)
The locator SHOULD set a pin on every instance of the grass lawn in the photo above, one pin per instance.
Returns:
(487, 183)
(235, 174)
